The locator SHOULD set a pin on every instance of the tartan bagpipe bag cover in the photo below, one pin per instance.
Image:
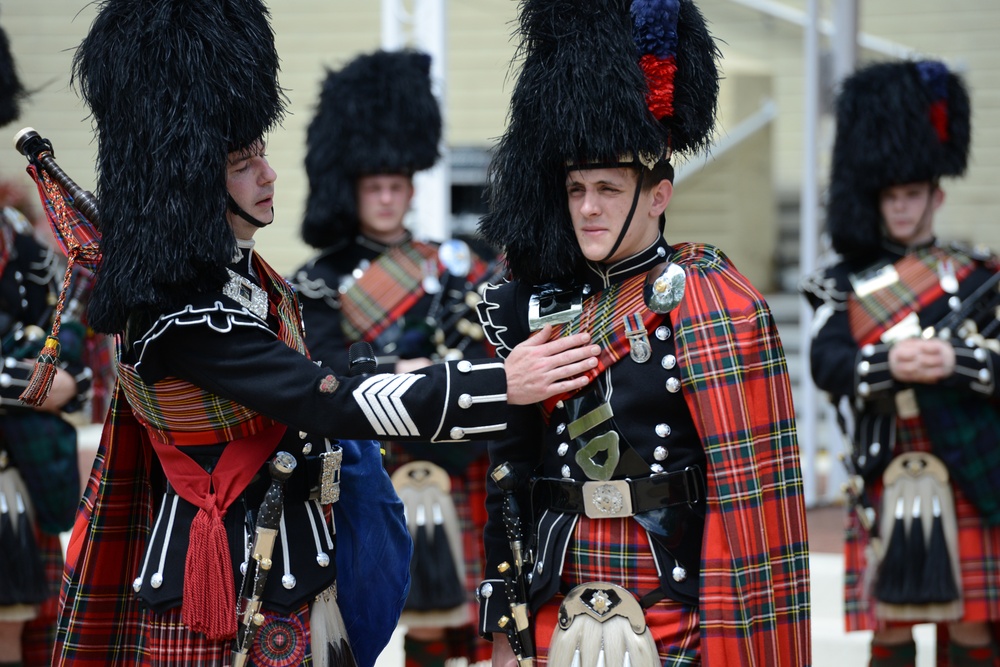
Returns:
(43, 446)
(965, 434)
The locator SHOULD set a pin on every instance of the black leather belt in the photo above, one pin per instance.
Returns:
(622, 497)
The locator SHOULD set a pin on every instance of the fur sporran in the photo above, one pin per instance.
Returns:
(918, 578)
(602, 624)
(437, 572)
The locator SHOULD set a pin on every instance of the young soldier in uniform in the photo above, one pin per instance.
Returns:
(378, 123)
(184, 517)
(662, 512)
(907, 350)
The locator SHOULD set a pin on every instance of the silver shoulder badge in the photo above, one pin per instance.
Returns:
(873, 280)
(246, 293)
(554, 306)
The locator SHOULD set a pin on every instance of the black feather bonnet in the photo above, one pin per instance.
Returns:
(11, 90)
(377, 115)
(897, 123)
(601, 82)
(173, 86)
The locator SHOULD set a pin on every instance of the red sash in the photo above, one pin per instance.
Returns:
(209, 602)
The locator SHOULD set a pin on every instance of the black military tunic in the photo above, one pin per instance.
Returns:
(657, 441)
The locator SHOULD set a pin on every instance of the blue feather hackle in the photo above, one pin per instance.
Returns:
(654, 26)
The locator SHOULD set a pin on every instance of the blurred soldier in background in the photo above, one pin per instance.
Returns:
(905, 343)
(377, 124)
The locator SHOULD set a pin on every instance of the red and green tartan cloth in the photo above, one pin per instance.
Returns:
(603, 318)
(77, 236)
(617, 550)
(388, 288)
(919, 284)
(101, 622)
(754, 600)
(39, 633)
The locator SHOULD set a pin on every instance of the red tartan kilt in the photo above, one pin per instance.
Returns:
(978, 549)
(617, 551)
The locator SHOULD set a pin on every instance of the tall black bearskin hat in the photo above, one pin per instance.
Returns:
(603, 82)
(897, 123)
(173, 87)
(11, 90)
(378, 115)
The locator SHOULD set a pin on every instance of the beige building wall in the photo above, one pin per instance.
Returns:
(732, 202)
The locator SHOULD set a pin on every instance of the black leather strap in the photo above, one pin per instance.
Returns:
(648, 493)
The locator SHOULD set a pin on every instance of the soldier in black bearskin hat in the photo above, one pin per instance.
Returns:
(378, 123)
(656, 516)
(905, 343)
(39, 478)
(205, 536)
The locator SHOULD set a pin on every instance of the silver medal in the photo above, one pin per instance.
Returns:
(947, 278)
(638, 339)
(431, 283)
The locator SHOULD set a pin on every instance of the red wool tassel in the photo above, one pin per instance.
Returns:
(42, 375)
(209, 604)
(939, 119)
(660, 80)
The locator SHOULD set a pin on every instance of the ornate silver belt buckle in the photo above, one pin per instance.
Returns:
(329, 479)
(607, 500)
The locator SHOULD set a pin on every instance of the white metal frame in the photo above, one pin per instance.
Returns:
(422, 24)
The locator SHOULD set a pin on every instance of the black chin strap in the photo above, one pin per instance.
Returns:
(628, 218)
(235, 208)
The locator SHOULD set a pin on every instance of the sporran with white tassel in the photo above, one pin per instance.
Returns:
(601, 624)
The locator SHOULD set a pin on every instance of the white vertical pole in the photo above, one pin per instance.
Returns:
(807, 248)
(432, 202)
(845, 39)
(392, 24)
(844, 44)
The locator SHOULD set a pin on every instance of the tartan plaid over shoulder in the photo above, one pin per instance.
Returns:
(755, 571)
